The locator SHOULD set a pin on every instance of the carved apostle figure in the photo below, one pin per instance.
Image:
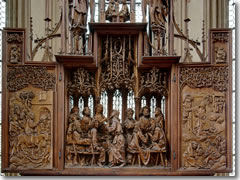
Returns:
(141, 134)
(86, 122)
(74, 128)
(128, 126)
(99, 132)
(74, 132)
(117, 145)
(144, 120)
(98, 123)
(158, 137)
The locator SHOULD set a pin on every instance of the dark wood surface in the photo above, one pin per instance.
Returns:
(62, 70)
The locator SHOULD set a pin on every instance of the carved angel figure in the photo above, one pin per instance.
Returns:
(78, 10)
(129, 125)
(158, 12)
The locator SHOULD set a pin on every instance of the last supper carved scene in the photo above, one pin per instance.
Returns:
(119, 96)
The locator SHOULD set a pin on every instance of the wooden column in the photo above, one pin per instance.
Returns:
(132, 11)
(62, 115)
(173, 116)
(92, 10)
(171, 29)
(102, 11)
(64, 26)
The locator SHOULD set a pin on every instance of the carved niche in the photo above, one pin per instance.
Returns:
(220, 46)
(15, 47)
(30, 117)
(203, 117)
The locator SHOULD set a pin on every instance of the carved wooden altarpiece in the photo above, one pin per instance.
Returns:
(117, 101)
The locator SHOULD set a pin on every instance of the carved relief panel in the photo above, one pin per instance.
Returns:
(15, 46)
(221, 46)
(31, 112)
(204, 118)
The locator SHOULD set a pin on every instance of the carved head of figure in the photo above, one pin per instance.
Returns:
(99, 109)
(194, 145)
(129, 113)
(188, 101)
(145, 111)
(115, 114)
(86, 111)
(111, 1)
(158, 112)
(124, 2)
(75, 110)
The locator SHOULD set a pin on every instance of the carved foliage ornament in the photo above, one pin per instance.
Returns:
(16, 38)
(82, 83)
(21, 77)
(199, 77)
(154, 81)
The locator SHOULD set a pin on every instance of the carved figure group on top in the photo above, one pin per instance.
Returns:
(113, 14)
(29, 136)
(159, 10)
(78, 14)
(102, 141)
